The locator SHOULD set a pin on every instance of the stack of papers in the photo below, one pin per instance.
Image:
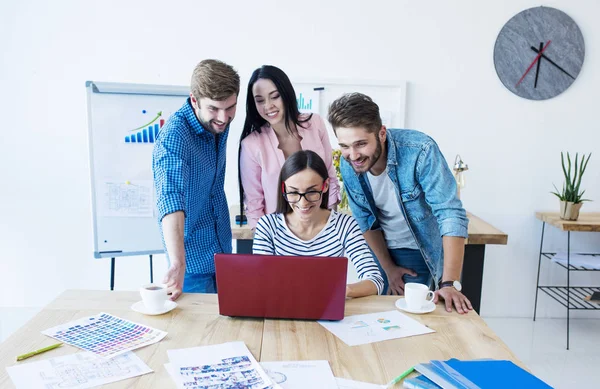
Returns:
(232, 366)
(456, 374)
(223, 366)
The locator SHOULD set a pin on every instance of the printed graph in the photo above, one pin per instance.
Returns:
(146, 133)
(308, 100)
(303, 104)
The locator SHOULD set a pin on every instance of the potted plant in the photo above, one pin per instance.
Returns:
(570, 197)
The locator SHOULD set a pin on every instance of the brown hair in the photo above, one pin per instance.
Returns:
(355, 110)
(214, 80)
(297, 162)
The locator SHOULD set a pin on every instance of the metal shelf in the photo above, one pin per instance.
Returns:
(577, 296)
(571, 267)
(570, 297)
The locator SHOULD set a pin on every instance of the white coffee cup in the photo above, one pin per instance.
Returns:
(154, 296)
(416, 295)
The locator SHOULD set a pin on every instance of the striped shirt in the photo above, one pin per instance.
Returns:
(340, 237)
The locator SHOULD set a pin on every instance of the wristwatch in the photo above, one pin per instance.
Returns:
(457, 285)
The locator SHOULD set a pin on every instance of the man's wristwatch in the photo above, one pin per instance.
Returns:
(456, 284)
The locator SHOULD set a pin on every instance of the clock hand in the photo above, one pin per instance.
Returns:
(533, 63)
(552, 62)
(537, 71)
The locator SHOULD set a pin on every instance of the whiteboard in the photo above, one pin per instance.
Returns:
(389, 95)
(123, 120)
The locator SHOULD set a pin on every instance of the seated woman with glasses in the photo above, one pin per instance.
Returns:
(303, 225)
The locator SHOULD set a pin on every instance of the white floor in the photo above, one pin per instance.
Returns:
(541, 345)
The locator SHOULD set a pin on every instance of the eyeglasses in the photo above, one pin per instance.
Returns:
(311, 196)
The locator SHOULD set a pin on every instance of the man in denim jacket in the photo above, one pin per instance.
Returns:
(403, 197)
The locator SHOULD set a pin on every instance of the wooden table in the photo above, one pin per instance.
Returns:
(196, 322)
(481, 233)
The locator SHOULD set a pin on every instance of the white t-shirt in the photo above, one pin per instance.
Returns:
(395, 228)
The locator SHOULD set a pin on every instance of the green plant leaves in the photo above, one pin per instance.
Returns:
(570, 191)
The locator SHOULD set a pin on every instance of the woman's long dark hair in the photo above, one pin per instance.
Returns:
(297, 162)
(254, 121)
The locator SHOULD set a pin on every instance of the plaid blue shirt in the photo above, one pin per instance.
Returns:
(188, 163)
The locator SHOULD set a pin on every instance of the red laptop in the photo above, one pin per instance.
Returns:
(285, 287)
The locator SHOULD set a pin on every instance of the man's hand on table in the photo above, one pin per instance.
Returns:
(451, 296)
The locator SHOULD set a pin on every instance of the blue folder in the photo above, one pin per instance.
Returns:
(480, 374)
(419, 382)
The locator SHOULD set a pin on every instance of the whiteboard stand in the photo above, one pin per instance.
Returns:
(112, 272)
(113, 258)
(123, 122)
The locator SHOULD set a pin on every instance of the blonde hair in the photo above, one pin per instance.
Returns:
(215, 80)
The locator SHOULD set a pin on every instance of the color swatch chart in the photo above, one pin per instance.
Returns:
(105, 335)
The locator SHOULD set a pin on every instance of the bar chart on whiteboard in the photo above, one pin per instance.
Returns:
(308, 100)
(146, 133)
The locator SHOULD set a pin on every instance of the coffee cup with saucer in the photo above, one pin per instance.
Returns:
(155, 300)
(417, 298)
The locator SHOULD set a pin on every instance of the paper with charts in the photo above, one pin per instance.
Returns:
(76, 371)
(375, 327)
(221, 366)
(301, 374)
(105, 335)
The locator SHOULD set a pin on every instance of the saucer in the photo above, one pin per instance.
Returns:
(429, 306)
(141, 308)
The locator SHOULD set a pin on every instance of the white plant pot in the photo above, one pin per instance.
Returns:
(569, 210)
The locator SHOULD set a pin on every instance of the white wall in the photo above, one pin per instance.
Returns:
(444, 50)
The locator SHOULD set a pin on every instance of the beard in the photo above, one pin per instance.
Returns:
(208, 126)
(371, 160)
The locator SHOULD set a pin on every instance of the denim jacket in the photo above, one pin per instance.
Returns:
(425, 190)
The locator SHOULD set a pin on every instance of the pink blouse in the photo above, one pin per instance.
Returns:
(261, 161)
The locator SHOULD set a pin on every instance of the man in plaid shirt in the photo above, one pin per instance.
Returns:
(188, 163)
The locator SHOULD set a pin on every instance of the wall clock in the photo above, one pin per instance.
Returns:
(539, 53)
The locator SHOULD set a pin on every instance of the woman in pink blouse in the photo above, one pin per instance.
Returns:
(274, 130)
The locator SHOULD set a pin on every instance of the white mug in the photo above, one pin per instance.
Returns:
(154, 296)
(416, 295)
